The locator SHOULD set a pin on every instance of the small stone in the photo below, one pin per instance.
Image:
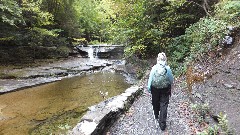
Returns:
(238, 87)
(92, 108)
(228, 40)
(229, 86)
(198, 96)
(87, 127)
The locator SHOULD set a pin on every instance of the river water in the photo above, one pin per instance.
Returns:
(56, 107)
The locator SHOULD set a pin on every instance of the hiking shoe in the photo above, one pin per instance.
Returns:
(162, 126)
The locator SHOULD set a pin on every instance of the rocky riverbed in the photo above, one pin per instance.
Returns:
(60, 104)
(20, 78)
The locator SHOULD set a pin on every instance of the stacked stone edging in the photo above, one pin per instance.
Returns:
(101, 116)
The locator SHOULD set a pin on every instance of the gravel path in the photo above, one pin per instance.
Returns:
(139, 119)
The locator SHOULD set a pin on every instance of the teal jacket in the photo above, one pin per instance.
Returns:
(169, 74)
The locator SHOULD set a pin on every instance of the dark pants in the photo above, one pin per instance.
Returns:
(160, 100)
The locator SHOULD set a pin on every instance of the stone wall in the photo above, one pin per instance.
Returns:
(101, 116)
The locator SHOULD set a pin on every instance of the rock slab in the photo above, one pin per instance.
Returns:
(101, 116)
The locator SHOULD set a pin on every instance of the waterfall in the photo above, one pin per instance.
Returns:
(97, 49)
(91, 53)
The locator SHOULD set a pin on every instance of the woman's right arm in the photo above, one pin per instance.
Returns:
(150, 80)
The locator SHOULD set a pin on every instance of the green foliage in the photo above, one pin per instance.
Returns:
(179, 49)
(204, 36)
(10, 20)
(229, 11)
(198, 40)
(222, 127)
(63, 51)
(201, 111)
(34, 16)
(146, 27)
(152, 24)
(79, 41)
(10, 13)
(128, 29)
(65, 16)
(210, 131)
(7, 38)
(223, 123)
(46, 32)
(95, 18)
(138, 50)
(94, 42)
(36, 38)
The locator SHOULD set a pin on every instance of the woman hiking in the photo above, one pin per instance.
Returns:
(159, 85)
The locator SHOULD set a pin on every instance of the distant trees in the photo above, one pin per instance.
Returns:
(11, 18)
(146, 27)
(185, 29)
(88, 19)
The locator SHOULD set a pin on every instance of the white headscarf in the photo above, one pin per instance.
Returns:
(162, 59)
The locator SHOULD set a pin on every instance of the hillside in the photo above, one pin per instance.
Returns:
(222, 89)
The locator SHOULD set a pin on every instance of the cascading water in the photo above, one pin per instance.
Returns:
(101, 51)
(91, 53)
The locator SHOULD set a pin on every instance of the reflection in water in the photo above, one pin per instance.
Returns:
(53, 107)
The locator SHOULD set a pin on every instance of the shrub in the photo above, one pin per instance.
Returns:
(228, 10)
(199, 39)
(201, 111)
(204, 36)
(63, 51)
(210, 131)
(222, 128)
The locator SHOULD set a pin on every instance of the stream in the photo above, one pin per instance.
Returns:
(54, 108)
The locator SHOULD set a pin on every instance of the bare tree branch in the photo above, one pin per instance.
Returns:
(204, 5)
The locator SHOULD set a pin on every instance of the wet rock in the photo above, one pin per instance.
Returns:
(83, 53)
(29, 77)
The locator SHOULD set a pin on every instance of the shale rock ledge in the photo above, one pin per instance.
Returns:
(101, 116)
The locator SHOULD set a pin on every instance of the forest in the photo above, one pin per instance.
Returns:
(192, 33)
(186, 30)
